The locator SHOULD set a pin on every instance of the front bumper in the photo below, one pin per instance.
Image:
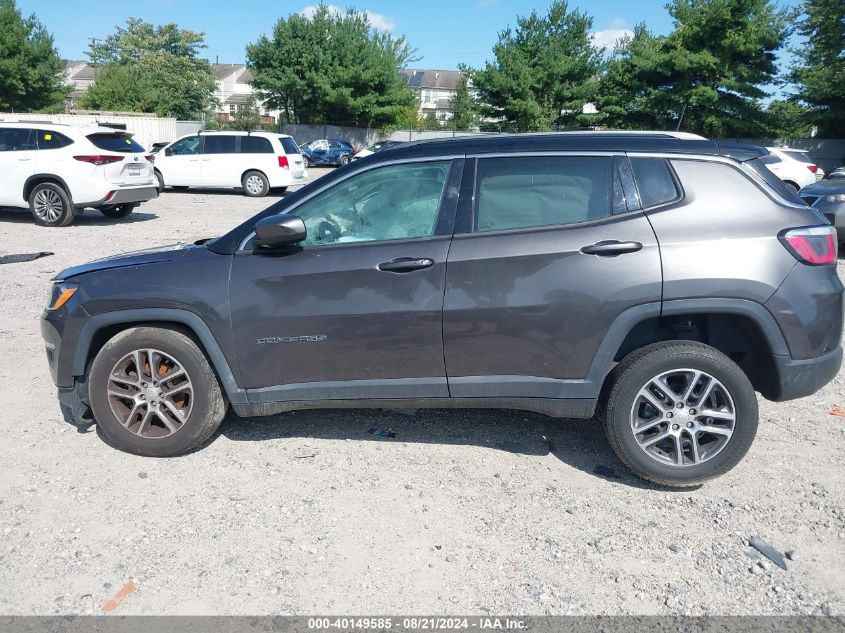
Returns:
(801, 378)
(73, 403)
(125, 196)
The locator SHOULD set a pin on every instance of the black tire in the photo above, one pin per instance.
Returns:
(793, 185)
(160, 180)
(118, 210)
(305, 162)
(641, 366)
(208, 404)
(60, 212)
(250, 186)
(344, 160)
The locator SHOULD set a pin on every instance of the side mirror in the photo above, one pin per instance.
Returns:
(279, 230)
(168, 152)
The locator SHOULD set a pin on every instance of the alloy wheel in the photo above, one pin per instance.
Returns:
(683, 417)
(48, 205)
(150, 393)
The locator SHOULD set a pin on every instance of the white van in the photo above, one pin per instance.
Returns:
(253, 161)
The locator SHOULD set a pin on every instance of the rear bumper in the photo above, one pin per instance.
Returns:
(124, 196)
(800, 378)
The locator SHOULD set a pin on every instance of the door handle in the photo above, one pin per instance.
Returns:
(205, 160)
(611, 248)
(23, 160)
(406, 264)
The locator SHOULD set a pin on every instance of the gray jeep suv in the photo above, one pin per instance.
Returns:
(654, 280)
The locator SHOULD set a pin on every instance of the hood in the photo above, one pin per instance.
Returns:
(134, 258)
(824, 187)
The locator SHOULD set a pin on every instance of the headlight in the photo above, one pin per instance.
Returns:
(60, 294)
(835, 197)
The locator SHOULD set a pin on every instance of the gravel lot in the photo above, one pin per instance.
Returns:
(463, 512)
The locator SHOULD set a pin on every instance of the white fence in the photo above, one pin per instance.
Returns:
(147, 129)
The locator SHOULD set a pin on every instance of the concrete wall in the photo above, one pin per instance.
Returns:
(146, 129)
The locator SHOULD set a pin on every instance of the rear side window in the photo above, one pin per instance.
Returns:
(48, 139)
(289, 145)
(16, 140)
(254, 145)
(655, 183)
(758, 166)
(520, 192)
(219, 145)
(115, 143)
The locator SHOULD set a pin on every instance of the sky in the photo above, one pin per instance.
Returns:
(445, 33)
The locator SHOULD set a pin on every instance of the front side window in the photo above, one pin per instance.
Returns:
(655, 183)
(219, 145)
(386, 203)
(47, 139)
(522, 192)
(16, 139)
(186, 147)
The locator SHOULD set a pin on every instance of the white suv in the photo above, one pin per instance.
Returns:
(58, 170)
(254, 161)
(794, 167)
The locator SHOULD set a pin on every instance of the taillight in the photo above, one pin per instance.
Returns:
(283, 162)
(150, 157)
(814, 245)
(813, 168)
(99, 159)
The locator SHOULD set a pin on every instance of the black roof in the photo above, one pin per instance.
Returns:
(664, 142)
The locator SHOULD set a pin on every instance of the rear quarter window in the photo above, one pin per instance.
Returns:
(289, 145)
(48, 139)
(115, 143)
(254, 145)
(655, 182)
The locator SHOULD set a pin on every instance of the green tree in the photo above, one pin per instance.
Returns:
(31, 71)
(820, 69)
(148, 68)
(707, 76)
(332, 68)
(247, 117)
(543, 72)
(787, 120)
(463, 106)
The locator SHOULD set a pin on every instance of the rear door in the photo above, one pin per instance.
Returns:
(546, 257)
(133, 169)
(17, 163)
(220, 164)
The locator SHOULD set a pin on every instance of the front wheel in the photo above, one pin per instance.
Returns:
(118, 210)
(153, 392)
(255, 184)
(679, 413)
(50, 205)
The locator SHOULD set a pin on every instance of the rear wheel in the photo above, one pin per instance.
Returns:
(305, 162)
(793, 185)
(153, 392)
(255, 184)
(679, 413)
(50, 205)
(118, 210)
(344, 160)
(160, 180)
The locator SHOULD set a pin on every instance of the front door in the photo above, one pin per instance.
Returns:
(17, 163)
(355, 311)
(551, 256)
(180, 165)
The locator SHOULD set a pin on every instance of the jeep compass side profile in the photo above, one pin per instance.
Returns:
(571, 274)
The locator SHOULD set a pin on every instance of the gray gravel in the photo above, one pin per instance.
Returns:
(461, 512)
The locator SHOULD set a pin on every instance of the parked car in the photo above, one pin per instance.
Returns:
(567, 274)
(794, 167)
(375, 147)
(327, 152)
(839, 172)
(828, 198)
(253, 161)
(58, 170)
